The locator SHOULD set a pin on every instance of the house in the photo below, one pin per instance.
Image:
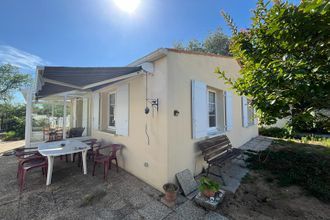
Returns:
(185, 100)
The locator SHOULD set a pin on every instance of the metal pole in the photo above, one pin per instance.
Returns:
(28, 117)
(64, 117)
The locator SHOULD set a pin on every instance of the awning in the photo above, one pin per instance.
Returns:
(54, 80)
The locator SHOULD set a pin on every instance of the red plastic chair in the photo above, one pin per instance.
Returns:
(29, 164)
(113, 155)
(90, 153)
(106, 159)
(23, 153)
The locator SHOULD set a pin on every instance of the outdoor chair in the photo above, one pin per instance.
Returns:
(106, 159)
(90, 153)
(29, 164)
(24, 153)
(75, 132)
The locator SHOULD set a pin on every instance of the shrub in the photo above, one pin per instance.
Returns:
(274, 132)
(10, 136)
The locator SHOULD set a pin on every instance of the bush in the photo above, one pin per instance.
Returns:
(16, 130)
(304, 165)
(274, 132)
(10, 136)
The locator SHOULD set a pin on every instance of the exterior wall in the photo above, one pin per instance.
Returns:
(182, 68)
(136, 151)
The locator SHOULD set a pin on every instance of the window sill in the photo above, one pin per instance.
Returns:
(113, 132)
(214, 133)
(250, 125)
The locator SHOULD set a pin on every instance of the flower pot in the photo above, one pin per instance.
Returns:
(208, 193)
(170, 192)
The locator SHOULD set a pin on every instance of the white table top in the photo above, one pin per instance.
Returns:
(56, 148)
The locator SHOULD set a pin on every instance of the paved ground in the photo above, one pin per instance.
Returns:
(76, 196)
(9, 145)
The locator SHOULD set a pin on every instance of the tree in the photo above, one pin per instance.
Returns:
(216, 42)
(285, 59)
(10, 80)
(12, 119)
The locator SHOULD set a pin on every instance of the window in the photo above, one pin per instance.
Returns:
(250, 113)
(212, 110)
(112, 108)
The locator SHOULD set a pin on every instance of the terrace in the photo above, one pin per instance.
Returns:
(73, 195)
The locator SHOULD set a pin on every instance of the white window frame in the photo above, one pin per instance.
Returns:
(212, 129)
(112, 128)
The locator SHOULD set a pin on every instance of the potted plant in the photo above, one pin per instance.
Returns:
(170, 192)
(208, 187)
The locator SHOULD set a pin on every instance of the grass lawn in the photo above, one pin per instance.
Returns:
(293, 163)
(289, 180)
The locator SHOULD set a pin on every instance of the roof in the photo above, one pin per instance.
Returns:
(162, 52)
(82, 76)
(53, 80)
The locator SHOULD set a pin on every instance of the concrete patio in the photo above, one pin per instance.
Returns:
(75, 196)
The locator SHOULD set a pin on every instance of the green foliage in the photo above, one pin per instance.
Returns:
(285, 60)
(312, 139)
(291, 163)
(12, 118)
(274, 132)
(11, 79)
(10, 136)
(216, 42)
(208, 184)
(47, 108)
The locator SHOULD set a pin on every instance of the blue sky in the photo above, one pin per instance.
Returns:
(98, 33)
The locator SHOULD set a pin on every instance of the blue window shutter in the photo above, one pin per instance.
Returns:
(245, 119)
(199, 109)
(122, 110)
(229, 110)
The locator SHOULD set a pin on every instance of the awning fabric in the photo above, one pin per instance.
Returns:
(79, 77)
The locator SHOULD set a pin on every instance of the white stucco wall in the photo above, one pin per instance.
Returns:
(182, 68)
(171, 148)
(136, 151)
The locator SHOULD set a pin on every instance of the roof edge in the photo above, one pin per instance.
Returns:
(198, 53)
(151, 57)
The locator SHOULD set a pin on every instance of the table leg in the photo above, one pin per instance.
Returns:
(50, 169)
(84, 155)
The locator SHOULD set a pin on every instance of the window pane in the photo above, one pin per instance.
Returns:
(112, 102)
(112, 99)
(211, 97)
(112, 121)
(212, 121)
(211, 109)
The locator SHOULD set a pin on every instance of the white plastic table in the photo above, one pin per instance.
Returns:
(58, 148)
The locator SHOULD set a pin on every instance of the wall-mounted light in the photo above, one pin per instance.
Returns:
(176, 113)
(154, 104)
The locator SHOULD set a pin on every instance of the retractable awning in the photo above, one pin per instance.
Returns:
(54, 80)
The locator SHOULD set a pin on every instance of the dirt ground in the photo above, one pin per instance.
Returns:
(259, 197)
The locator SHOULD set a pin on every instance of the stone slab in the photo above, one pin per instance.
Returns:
(187, 183)
(214, 216)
